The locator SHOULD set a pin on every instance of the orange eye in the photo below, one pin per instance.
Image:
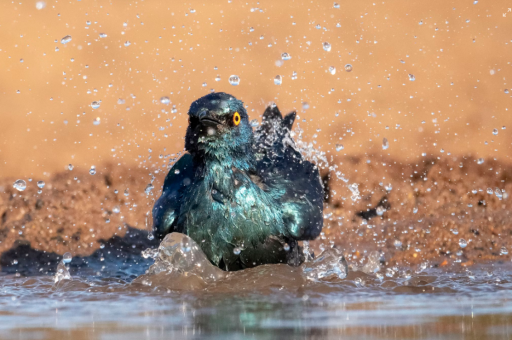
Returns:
(236, 118)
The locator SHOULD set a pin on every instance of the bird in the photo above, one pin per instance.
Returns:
(245, 197)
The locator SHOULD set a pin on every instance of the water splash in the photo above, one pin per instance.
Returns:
(330, 263)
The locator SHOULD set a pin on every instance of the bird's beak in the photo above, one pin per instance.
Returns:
(207, 120)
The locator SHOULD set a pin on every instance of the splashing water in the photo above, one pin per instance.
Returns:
(20, 185)
(234, 80)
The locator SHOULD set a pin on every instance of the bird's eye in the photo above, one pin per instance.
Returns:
(236, 118)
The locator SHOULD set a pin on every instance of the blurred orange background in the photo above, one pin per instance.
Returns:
(126, 55)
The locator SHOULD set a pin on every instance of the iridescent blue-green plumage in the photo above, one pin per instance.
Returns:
(245, 197)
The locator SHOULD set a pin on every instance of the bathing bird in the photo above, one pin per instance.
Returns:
(246, 197)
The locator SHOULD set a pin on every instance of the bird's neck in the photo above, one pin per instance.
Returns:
(216, 168)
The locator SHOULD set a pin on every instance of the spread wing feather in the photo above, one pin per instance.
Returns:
(295, 180)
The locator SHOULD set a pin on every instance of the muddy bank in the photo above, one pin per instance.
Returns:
(411, 212)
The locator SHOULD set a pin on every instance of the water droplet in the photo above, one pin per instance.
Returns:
(40, 184)
(121, 101)
(103, 35)
(475, 2)
(96, 121)
(506, 91)
(66, 258)
(286, 56)
(21, 60)
(217, 78)
(489, 191)
(95, 104)
(70, 167)
(126, 193)
(20, 185)
(327, 46)
(237, 251)
(294, 75)
(503, 251)
(390, 272)
(305, 106)
(127, 43)
(65, 40)
(332, 70)
(412, 77)
(92, 171)
(339, 147)
(286, 247)
(348, 67)
(151, 236)
(116, 209)
(480, 161)
(185, 245)
(165, 100)
(463, 243)
(495, 132)
(40, 5)
(234, 80)
(336, 5)
(278, 80)
(385, 144)
(149, 188)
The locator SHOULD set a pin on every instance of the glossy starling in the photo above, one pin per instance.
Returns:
(245, 197)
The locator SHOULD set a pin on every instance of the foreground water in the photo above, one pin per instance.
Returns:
(182, 297)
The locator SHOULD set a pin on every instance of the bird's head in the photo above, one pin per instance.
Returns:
(219, 127)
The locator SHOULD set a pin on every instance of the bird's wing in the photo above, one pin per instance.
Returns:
(167, 207)
(294, 181)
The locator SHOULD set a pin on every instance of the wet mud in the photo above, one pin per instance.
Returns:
(442, 210)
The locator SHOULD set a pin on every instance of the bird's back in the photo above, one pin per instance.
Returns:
(284, 169)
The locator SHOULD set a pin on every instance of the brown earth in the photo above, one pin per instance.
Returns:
(459, 53)
(425, 201)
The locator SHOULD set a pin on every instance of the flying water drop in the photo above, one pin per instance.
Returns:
(327, 46)
(95, 104)
(348, 67)
(278, 80)
(234, 80)
(66, 258)
(40, 184)
(165, 100)
(385, 144)
(40, 5)
(65, 40)
(332, 70)
(20, 185)
(286, 56)
(92, 171)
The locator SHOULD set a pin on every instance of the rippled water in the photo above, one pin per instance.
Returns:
(175, 299)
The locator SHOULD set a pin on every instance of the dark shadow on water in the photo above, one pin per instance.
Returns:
(120, 258)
